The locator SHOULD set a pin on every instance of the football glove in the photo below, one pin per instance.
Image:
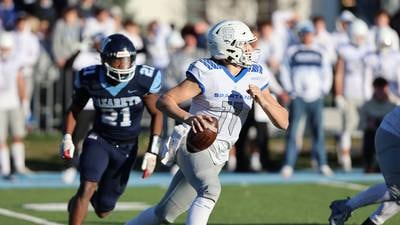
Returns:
(67, 147)
(148, 164)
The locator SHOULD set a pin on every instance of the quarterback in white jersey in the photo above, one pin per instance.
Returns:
(224, 87)
(387, 142)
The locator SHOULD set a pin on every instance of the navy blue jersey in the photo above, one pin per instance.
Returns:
(119, 108)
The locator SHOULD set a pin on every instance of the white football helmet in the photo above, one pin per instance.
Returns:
(227, 40)
(383, 39)
(358, 31)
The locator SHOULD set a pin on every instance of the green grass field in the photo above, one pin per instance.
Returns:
(241, 205)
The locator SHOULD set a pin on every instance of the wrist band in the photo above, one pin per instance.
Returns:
(155, 144)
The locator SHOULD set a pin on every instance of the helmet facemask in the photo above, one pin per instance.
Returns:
(243, 56)
(120, 66)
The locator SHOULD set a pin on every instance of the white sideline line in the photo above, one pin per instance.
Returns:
(341, 184)
(21, 216)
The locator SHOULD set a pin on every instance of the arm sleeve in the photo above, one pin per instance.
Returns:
(272, 83)
(156, 84)
(327, 76)
(194, 74)
(285, 76)
(81, 95)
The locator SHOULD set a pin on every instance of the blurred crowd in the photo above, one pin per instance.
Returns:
(356, 67)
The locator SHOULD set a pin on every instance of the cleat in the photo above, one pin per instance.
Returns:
(340, 212)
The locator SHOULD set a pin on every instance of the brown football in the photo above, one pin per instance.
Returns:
(201, 140)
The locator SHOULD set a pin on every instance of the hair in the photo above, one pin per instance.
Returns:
(380, 82)
(129, 22)
(317, 18)
(188, 29)
(382, 12)
(263, 23)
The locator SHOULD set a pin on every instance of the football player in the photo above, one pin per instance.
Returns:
(351, 86)
(120, 90)
(387, 143)
(223, 86)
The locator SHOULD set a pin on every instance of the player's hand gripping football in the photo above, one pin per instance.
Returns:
(67, 147)
(198, 122)
(256, 93)
(148, 164)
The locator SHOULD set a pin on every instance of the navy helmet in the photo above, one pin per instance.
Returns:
(118, 56)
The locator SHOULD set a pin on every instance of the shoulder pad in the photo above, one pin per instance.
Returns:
(145, 70)
(206, 64)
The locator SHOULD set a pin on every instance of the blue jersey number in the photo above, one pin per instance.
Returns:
(110, 117)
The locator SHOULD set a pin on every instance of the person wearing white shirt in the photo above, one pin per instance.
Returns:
(340, 36)
(13, 107)
(101, 23)
(28, 47)
(385, 62)
(382, 20)
(352, 88)
(306, 75)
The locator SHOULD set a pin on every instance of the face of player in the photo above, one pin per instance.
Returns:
(122, 67)
(121, 63)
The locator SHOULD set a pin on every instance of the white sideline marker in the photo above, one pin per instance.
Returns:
(21, 216)
(62, 206)
(347, 185)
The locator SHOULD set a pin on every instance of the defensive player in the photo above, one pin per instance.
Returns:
(120, 91)
(223, 86)
(387, 143)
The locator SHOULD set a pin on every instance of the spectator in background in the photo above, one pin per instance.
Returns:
(13, 105)
(156, 45)
(182, 58)
(324, 38)
(65, 45)
(117, 16)
(271, 51)
(174, 40)
(201, 28)
(340, 36)
(132, 31)
(306, 75)
(351, 87)
(86, 8)
(8, 14)
(28, 48)
(382, 20)
(102, 22)
(385, 62)
(66, 36)
(43, 10)
(372, 113)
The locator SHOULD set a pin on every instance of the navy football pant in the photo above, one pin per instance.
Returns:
(109, 165)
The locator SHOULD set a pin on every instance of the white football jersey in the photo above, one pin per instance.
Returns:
(391, 122)
(386, 65)
(9, 98)
(354, 83)
(225, 97)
